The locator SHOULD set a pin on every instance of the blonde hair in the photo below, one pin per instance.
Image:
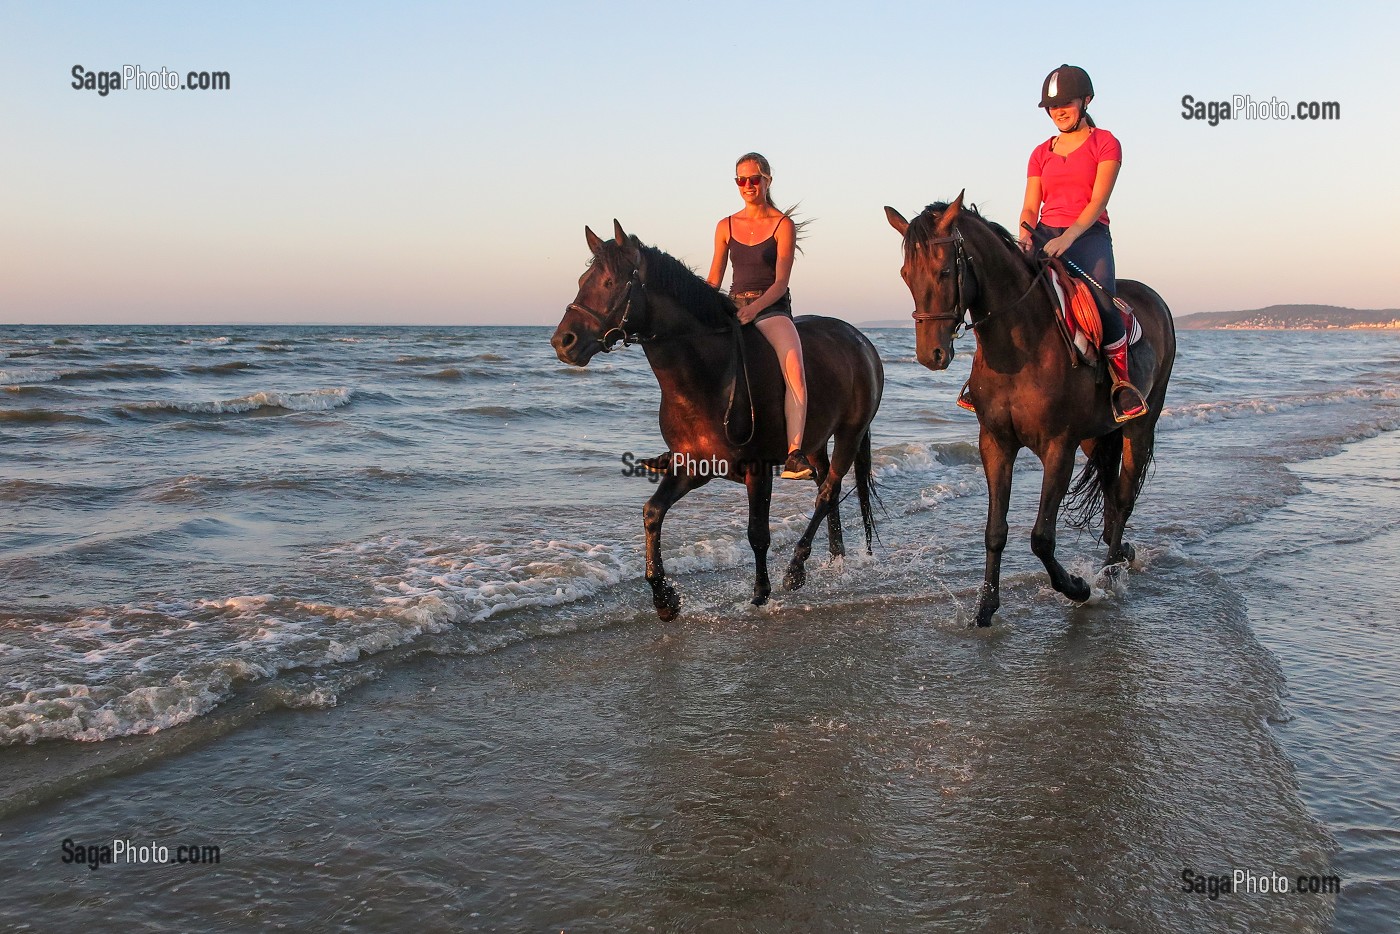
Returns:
(799, 226)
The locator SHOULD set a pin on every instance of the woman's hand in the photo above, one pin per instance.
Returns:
(1026, 242)
(748, 313)
(1061, 243)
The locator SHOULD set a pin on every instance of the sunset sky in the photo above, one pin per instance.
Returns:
(436, 163)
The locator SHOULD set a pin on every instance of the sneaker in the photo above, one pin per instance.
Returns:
(797, 467)
(661, 463)
(965, 397)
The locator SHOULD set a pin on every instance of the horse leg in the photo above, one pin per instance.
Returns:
(998, 458)
(671, 488)
(835, 538)
(828, 496)
(1059, 466)
(1106, 454)
(759, 482)
(1137, 455)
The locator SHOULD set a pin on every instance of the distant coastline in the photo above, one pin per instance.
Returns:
(1272, 318)
(1293, 318)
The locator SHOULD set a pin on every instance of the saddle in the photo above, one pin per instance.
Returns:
(1077, 307)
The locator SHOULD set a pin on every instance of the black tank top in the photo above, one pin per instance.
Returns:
(756, 265)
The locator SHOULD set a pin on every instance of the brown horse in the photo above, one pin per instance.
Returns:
(1025, 386)
(722, 396)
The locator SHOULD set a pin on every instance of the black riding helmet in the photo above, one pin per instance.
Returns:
(1064, 84)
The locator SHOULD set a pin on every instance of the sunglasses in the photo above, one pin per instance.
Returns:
(749, 181)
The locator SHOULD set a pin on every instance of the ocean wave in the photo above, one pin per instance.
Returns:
(317, 400)
(915, 457)
(33, 491)
(44, 417)
(218, 369)
(101, 680)
(115, 371)
(140, 669)
(28, 377)
(1204, 413)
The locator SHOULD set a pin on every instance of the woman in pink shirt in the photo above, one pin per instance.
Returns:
(1069, 180)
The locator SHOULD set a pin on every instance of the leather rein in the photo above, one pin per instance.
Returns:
(636, 296)
(962, 266)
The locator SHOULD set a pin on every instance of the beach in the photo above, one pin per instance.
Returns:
(363, 609)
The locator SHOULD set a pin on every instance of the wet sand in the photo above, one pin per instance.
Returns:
(869, 767)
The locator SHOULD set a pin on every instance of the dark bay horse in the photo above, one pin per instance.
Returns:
(1024, 385)
(722, 396)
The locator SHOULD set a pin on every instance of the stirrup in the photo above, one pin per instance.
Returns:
(1134, 410)
(661, 463)
(965, 397)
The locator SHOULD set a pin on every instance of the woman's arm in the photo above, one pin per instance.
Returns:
(721, 259)
(786, 235)
(1030, 212)
(1104, 180)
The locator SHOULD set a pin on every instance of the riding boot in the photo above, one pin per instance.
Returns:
(1124, 397)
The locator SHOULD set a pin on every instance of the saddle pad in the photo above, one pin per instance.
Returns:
(1083, 322)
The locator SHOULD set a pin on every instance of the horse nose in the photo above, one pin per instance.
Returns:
(562, 343)
(934, 359)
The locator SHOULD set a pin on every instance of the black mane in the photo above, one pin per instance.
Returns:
(924, 229)
(664, 273)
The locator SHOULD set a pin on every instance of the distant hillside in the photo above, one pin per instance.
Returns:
(1291, 317)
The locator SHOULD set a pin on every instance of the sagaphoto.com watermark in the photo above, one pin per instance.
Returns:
(1245, 107)
(123, 852)
(134, 77)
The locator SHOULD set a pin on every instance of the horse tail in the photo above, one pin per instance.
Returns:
(1083, 506)
(866, 492)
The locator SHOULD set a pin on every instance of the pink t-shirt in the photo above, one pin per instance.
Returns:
(1067, 182)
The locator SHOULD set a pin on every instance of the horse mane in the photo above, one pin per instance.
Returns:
(924, 229)
(668, 275)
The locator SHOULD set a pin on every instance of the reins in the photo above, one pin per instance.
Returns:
(962, 264)
(635, 284)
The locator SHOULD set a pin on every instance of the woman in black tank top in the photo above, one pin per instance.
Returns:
(761, 239)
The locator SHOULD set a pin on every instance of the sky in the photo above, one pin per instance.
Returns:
(425, 163)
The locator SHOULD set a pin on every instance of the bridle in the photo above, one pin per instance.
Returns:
(962, 266)
(636, 294)
(966, 289)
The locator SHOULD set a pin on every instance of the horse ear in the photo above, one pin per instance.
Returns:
(945, 223)
(627, 242)
(897, 220)
(594, 241)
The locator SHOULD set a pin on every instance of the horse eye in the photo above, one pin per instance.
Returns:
(944, 273)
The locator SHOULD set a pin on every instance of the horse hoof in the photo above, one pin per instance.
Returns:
(1078, 590)
(667, 602)
(759, 599)
(795, 577)
(1129, 552)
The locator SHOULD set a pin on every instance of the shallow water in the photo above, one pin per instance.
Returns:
(206, 529)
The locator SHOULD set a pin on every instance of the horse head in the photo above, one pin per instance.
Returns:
(610, 303)
(938, 270)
